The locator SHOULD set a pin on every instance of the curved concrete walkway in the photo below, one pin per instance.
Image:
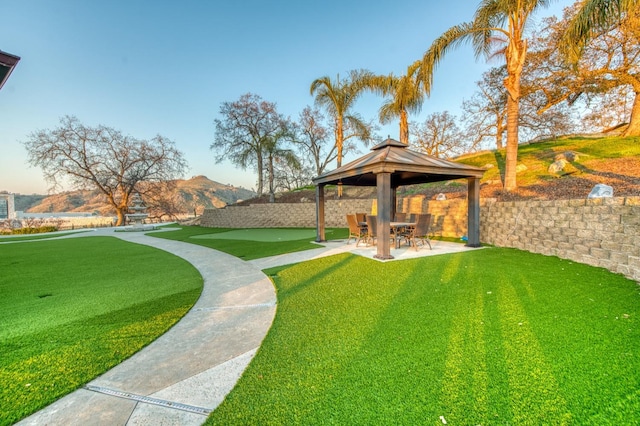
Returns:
(186, 373)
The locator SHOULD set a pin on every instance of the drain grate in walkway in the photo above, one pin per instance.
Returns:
(149, 400)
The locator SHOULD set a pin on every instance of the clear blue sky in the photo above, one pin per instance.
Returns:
(164, 67)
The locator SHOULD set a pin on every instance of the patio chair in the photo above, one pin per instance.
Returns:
(420, 232)
(372, 230)
(356, 231)
(362, 217)
(400, 217)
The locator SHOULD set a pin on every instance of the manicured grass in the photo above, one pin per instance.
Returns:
(265, 235)
(29, 237)
(247, 247)
(71, 309)
(493, 336)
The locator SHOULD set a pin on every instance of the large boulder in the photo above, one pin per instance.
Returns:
(570, 156)
(601, 191)
(557, 166)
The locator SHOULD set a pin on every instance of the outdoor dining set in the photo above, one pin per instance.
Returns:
(411, 229)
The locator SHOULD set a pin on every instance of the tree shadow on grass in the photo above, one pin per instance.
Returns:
(337, 262)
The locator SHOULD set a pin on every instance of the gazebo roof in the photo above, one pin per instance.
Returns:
(407, 167)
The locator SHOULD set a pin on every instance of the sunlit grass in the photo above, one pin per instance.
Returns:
(28, 237)
(71, 309)
(246, 248)
(494, 336)
(537, 157)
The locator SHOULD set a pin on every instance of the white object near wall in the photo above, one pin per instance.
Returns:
(601, 191)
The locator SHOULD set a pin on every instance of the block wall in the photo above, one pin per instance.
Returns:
(284, 215)
(602, 232)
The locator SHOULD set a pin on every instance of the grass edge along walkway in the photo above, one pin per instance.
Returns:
(122, 298)
(244, 248)
(495, 336)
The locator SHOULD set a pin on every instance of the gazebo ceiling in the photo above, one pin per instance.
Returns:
(7, 63)
(406, 167)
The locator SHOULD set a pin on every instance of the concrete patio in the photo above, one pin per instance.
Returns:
(340, 246)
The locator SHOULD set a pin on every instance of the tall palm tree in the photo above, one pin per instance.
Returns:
(338, 97)
(593, 16)
(498, 27)
(407, 96)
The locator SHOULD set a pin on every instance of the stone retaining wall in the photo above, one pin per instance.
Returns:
(601, 232)
(284, 215)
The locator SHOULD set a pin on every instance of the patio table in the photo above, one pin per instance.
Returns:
(397, 227)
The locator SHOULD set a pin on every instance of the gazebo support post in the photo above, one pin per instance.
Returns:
(394, 203)
(320, 213)
(473, 206)
(383, 184)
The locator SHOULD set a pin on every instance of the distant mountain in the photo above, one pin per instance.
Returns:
(190, 195)
(25, 202)
(200, 192)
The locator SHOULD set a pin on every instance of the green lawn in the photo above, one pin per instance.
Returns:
(251, 244)
(71, 309)
(493, 336)
(43, 236)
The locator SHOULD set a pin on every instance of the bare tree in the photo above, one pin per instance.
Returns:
(276, 151)
(313, 139)
(438, 136)
(609, 64)
(485, 113)
(242, 135)
(290, 175)
(162, 200)
(534, 124)
(104, 159)
(607, 110)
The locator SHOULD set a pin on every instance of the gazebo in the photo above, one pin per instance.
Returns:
(389, 165)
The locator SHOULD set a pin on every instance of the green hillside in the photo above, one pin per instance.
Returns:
(537, 157)
(613, 161)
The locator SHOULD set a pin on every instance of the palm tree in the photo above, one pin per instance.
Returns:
(338, 97)
(407, 96)
(496, 23)
(593, 16)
